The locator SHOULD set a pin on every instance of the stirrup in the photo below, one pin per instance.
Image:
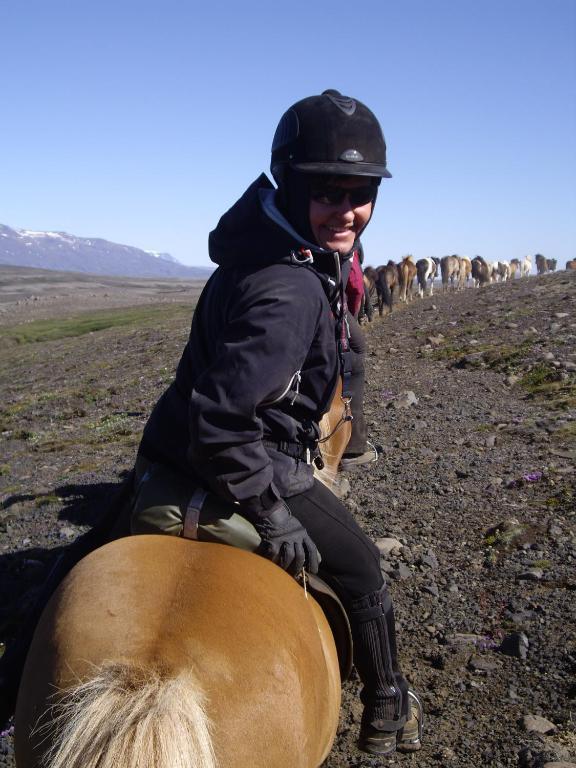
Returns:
(412, 741)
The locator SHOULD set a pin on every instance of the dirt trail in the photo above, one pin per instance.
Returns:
(475, 481)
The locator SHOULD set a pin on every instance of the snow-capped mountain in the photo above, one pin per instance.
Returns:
(61, 251)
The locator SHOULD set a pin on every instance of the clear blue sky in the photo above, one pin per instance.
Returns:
(142, 122)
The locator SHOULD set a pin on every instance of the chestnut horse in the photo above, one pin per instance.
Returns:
(406, 275)
(161, 652)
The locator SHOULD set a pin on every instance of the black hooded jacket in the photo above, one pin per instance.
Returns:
(260, 365)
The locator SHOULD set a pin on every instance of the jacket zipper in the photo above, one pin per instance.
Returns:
(297, 377)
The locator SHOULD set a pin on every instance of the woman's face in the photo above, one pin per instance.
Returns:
(340, 208)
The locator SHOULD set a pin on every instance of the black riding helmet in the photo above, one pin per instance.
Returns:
(326, 135)
(329, 134)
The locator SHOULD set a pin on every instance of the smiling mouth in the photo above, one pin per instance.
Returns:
(339, 230)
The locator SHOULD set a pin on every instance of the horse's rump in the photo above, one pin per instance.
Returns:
(233, 633)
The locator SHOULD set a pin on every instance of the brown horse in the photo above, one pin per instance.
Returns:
(160, 652)
(450, 270)
(406, 275)
(541, 264)
(367, 307)
(386, 286)
(480, 271)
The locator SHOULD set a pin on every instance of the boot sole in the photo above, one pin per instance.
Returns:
(408, 746)
(378, 745)
(374, 750)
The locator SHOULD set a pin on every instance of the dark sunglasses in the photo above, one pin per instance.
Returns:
(335, 195)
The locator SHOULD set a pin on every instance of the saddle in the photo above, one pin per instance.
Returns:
(336, 616)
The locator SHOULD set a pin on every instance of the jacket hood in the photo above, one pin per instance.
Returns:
(254, 232)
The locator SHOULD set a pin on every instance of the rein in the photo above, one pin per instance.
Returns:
(342, 420)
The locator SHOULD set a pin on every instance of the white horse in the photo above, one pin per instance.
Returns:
(526, 266)
(426, 270)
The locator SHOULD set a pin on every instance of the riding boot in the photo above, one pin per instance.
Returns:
(385, 689)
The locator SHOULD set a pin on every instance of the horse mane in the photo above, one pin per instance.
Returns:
(131, 717)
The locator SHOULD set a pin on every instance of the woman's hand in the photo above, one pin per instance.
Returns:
(285, 541)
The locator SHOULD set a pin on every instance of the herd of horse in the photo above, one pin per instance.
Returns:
(395, 282)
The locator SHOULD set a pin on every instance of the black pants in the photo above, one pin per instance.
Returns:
(350, 560)
(357, 443)
(351, 565)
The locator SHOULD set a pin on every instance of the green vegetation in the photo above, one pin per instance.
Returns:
(506, 357)
(545, 382)
(113, 424)
(501, 357)
(539, 378)
(23, 434)
(566, 434)
(92, 322)
(502, 538)
(45, 501)
(564, 501)
(500, 541)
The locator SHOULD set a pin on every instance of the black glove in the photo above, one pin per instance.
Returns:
(285, 541)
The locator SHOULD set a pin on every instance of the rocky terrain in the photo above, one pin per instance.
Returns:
(471, 398)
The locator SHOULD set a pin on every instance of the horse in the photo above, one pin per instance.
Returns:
(494, 273)
(480, 271)
(386, 285)
(406, 275)
(366, 307)
(161, 652)
(335, 431)
(571, 264)
(426, 270)
(551, 265)
(465, 271)
(503, 270)
(541, 264)
(515, 268)
(450, 269)
(526, 266)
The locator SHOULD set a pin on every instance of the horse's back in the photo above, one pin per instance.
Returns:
(258, 647)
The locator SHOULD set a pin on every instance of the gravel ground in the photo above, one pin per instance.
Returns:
(471, 398)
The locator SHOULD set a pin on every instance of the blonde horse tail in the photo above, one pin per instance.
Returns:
(131, 717)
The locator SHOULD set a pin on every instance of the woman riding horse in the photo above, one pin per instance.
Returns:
(232, 442)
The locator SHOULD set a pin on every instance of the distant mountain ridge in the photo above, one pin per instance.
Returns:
(61, 251)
